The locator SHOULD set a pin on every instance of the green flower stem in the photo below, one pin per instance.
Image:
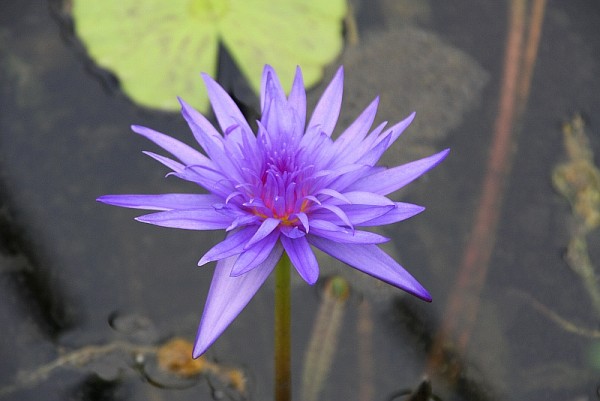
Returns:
(283, 381)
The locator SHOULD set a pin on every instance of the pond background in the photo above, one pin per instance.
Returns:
(76, 273)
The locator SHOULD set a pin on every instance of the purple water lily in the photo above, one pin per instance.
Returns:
(285, 189)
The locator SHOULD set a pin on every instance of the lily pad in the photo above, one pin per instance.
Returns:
(158, 48)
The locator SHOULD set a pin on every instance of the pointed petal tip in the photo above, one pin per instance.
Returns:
(197, 353)
(439, 157)
(268, 69)
(136, 128)
(425, 296)
(415, 288)
(338, 78)
(201, 346)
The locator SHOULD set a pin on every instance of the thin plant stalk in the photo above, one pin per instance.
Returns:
(324, 338)
(283, 382)
(463, 301)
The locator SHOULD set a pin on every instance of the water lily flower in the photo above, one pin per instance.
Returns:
(289, 188)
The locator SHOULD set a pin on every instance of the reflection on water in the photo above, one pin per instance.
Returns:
(67, 264)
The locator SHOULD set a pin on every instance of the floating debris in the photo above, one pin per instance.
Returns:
(110, 360)
(175, 357)
(578, 180)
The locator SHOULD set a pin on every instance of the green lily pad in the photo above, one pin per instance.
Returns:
(158, 48)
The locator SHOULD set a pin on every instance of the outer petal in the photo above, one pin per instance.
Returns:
(397, 129)
(232, 245)
(161, 202)
(228, 296)
(266, 228)
(198, 219)
(367, 198)
(183, 152)
(269, 74)
(297, 99)
(373, 261)
(165, 161)
(390, 180)
(358, 129)
(402, 211)
(357, 214)
(302, 258)
(255, 255)
(327, 109)
(278, 118)
(227, 112)
(210, 141)
(202, 129)
(349, 237)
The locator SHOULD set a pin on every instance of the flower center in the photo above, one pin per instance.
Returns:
(281, 187)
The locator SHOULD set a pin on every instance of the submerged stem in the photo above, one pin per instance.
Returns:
(283, 383)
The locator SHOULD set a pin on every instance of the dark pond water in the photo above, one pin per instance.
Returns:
(87, 294)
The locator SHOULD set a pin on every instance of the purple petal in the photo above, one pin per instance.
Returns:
(390, 180)
(328, 177)
(357, 214)
(303, 220)
(211, 142)
(373, 154)
(367, 198)
(297, 99)
(165, 161)
(397, 129)
(401, 211)
(352, 154)
(266, 228)
(161, 202)
(232, 245)
(198, 219)
(255, 255)
(278, 118)
(291, 232)
(227, 112)
(328, 230)
(269, 77)
(302, 258)
(350, 237)
(327, 110)
(333, 194)
(356, 132)
(338, 212)
(373, 261)
(228, 296)
(203, 130)
(208, 178)
(183, 152)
